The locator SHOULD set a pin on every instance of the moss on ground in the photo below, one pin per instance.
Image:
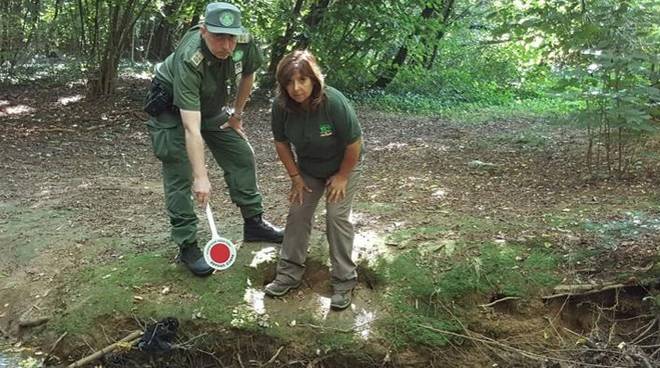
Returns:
(149, 286)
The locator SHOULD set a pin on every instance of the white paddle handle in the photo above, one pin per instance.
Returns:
(209, 216)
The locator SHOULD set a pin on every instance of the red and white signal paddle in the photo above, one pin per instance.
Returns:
(219, 252)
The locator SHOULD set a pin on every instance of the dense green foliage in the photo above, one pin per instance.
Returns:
(597, 60)
(606, 54)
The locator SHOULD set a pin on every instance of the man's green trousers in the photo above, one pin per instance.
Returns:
(234, 155)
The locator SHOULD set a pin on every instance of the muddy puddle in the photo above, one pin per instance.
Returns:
(13, 357)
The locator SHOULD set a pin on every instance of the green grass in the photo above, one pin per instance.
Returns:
(418, 293)
(468, 112)
(110, 290)
(407, 236)
(456, 223)
(376, 208)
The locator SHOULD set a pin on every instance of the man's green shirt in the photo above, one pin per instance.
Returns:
(198, 80)
(319, 138)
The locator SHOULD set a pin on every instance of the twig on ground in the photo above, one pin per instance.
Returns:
(240, 361)
(498, 301)
(554, 328)
(129, 340)
(49, 354)
(91, 349)
(33, 322)
(186, 345)
(655, 353)
(107, 339)
(349, 330)
(211, 355)
(647, 328)
(59, 339)
(272, 359)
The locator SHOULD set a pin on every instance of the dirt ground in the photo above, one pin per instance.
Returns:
(74, 172)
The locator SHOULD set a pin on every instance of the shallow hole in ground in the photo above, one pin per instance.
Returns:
(584, 313)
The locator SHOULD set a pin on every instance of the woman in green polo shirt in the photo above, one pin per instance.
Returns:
(319, 123)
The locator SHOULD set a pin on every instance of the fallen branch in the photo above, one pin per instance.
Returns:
(582, 290)
(273, 358)
(130, 340)
(498, 301)
(33, 322)
(588, 289)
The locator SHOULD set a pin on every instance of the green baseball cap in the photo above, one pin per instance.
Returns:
(223, 18)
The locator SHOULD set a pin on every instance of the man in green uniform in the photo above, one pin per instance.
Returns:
(187, 104)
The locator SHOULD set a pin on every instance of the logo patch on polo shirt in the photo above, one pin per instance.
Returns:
(325, 130)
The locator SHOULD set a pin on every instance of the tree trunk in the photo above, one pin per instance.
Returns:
(121, 25)
(279, 46)
(145, 55)
(312, 21)
(81, 12)
(195, 19)
(95, 41)
(388, 75)
(447, 10)
(162, 43)
(5, 44)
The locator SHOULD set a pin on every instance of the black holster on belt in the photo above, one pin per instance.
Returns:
(159, 100)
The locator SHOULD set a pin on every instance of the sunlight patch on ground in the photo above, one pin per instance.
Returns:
(323, 307)
(79, 82)
(16, 110)
(389, 147)
(145, 75)
(263, 255)
(290, 310)
(369, 245)
(439, 193)
(255, 299)
(363, 321)
(67, 100)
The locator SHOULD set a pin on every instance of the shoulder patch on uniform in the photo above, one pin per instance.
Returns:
(237, 55)
(244, 38)
(197, 58)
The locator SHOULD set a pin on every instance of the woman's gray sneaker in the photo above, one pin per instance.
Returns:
(278, 289)
(341, 299)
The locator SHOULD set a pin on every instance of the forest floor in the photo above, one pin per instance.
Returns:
(466, 234)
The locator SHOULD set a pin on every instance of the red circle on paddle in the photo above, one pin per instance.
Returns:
(220, 253)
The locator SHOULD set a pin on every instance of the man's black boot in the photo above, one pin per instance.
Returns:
(193, 259)
(256, 228)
